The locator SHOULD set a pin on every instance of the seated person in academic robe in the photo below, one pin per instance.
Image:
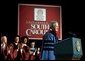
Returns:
(16, 42)
(32, 51)
(4, 47)
(25, 47)
(49, 40)
(16, 46)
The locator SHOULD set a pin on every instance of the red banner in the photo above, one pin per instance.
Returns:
(33, 20)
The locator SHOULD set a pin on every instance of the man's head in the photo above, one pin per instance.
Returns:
(4, 39)
(54, 25)
(33, 44)
(17, 39)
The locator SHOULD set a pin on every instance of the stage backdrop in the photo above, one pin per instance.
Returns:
(33, 20)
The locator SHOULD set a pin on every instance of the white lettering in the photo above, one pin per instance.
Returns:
(28, 33)
(33, 26)
(37, 32)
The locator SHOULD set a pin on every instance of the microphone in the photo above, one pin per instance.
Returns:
(72, 34)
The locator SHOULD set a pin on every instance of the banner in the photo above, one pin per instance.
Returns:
(34, 20)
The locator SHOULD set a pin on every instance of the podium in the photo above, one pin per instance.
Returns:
(68, 49)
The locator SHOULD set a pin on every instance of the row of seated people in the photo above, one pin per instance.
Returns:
(19, 50)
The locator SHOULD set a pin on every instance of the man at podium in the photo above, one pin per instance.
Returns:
(49, 39)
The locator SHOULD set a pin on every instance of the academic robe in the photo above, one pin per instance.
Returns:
(20, 55)
(32, 55)
(49, 40)
(26, 49)
(15, 45)
(10, 55)
(37, 56)
(4, 51)
(15, 53)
